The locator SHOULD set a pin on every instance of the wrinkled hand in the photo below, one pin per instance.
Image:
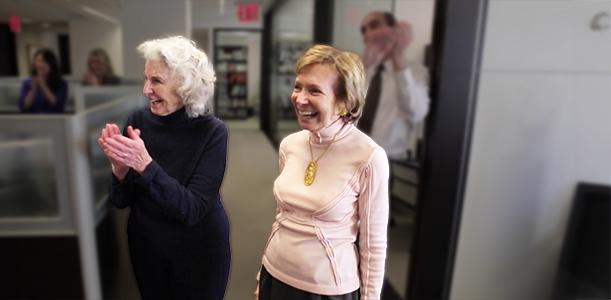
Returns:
(123, 152)
(130, 151)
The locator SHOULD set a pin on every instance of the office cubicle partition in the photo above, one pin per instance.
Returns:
(53, 198)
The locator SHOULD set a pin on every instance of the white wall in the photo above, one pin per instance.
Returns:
(206, 14)
(541, 126)
(347, 18)
(155, 19)
(254, 71)
(35, 36)
(22, 40)
(349, 14)
(86, 35)
(419, 14)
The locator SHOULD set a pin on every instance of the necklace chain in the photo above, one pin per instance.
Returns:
(310, 173)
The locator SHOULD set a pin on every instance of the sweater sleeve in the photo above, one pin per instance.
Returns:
(412, 93)
(122, 193)
(373, 217)
(190, 203)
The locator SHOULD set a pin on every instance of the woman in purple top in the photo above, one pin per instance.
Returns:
(45, 91)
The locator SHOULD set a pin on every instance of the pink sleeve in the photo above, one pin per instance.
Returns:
(373, 216)
(281, 159)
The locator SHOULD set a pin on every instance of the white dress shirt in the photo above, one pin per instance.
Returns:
(404, 101)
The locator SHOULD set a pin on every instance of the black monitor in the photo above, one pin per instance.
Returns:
(584, 271)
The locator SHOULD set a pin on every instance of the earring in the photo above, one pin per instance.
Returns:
(343, 112)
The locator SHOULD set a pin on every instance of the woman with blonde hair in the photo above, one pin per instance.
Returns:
(168, 167)
(100, 71)
(332, 188)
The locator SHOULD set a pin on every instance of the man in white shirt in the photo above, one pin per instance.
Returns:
(398, 96)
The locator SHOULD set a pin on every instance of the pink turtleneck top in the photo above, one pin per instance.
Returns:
(312, 246)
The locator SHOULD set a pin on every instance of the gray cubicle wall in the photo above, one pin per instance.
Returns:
(79, 97)
(54, 178)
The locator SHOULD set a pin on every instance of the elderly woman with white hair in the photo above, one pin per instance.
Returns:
(168, 166)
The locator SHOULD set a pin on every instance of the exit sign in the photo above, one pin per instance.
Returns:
(248, 13)
(15, 23)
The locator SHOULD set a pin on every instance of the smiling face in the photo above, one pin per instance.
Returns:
(41, 66)
(160, 88)
(96, 65)
(313, 97)
(375, 28)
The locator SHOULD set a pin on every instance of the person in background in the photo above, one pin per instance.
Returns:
(397, 96)
(100, 70)
(45, 91)
(313, 251)
(168, 166)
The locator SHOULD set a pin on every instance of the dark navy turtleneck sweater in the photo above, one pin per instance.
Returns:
(178, 231)
(181, 185)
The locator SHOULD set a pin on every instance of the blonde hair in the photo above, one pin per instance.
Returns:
(194, 74)
(104, 59)
(349, 88)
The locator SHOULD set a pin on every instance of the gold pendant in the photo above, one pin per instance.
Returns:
(310, 173)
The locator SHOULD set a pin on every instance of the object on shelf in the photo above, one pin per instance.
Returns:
(221, 67)
(242, 67)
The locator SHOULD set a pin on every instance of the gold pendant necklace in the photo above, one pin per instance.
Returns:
(310, 172)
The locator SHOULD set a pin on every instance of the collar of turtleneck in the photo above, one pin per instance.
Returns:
(325, 135)
(176, 117)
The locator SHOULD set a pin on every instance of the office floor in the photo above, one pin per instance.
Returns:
(252, 167)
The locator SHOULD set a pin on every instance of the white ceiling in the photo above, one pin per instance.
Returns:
(57, 10)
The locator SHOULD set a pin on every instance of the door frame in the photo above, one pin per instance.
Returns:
(456, 46)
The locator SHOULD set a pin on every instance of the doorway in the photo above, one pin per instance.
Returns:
(237, 64)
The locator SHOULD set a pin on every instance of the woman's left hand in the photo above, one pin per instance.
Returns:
(131, 151)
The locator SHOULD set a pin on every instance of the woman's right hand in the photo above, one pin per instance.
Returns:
(257, 292)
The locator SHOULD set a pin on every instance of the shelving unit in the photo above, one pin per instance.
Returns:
(288, 53)
(231, 66)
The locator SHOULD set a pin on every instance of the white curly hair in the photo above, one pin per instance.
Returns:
(194, 74)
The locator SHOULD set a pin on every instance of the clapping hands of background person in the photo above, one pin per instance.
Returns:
(124, 152)
(91, 80)
(389, 44)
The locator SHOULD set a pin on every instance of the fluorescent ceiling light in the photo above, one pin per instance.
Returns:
(100, 15)
(288, 34)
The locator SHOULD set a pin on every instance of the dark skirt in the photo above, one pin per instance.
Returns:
(184, 263)
(271, 288)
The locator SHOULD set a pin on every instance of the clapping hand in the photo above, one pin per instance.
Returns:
(124, 152)
(41, 81)
(377, 50)
(402, 36)
(35, 83)
(91, 79)
(382, 47)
